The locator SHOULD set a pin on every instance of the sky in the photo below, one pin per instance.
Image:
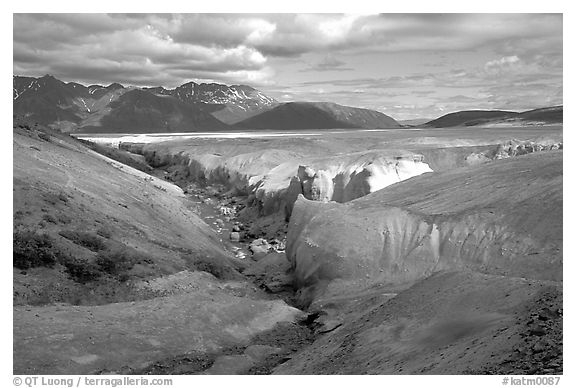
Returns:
(405, 65)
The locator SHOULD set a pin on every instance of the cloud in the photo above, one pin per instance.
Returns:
(422, 92)
(519, 53)
(504, 62)
(329, 63)
(135, 49)
(298, 34)
(524, 96)
(509, 82)
(507, 71)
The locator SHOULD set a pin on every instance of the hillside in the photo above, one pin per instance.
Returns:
(542, 116)
(318, 115)
(553, 114)
(469, 118)
(112, 267)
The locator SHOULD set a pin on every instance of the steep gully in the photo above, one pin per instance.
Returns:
(244, 208)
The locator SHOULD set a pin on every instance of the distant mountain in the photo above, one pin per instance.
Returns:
(48, 100)
(469, 118)
(138, 111)
(551, 115)
(229, 104)
(73, 107)
(318, 115)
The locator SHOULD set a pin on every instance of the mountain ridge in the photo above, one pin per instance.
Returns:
(469, 118)
(73, 107)
(318, 115)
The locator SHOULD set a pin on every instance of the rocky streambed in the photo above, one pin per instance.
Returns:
(259, 251)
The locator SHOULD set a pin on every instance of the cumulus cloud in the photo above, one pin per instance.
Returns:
(298, 34)
(281, 35)
(135, 49)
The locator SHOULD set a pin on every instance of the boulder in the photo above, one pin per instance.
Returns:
(259, 247)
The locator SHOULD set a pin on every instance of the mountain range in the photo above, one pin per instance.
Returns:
(73, 107)
(192, 107)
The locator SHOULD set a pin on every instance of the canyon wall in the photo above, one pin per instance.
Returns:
(503, 218)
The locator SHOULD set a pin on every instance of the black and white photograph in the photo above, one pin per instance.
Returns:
(287, 194)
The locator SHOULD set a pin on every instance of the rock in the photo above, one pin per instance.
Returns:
(226, 211)
(476, 158)
(547, 314)
(322, 187)
(235, 236)
(259, 247)
(277, 245)
(190, 188)
(537, 330)
(538, 347)
(211, 191)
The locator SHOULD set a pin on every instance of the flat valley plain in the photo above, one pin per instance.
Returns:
(405, 251)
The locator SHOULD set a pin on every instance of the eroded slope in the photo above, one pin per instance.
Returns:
(449, 323)
(109, 267)
(502, 217)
